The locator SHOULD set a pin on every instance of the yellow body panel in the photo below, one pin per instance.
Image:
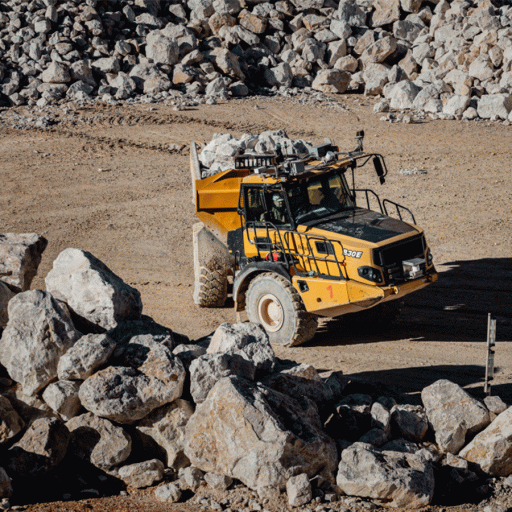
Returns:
(216, 200)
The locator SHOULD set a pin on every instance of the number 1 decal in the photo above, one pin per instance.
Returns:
(330, 291)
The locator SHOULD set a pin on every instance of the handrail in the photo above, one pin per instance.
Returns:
(398, 208)
(368, 191)
(281, 242)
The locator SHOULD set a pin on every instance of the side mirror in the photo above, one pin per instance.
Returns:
(379, 169)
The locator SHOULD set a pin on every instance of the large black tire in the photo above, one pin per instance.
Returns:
(212, 288)
(274, 303)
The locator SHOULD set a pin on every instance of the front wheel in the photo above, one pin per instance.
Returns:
(273, 302)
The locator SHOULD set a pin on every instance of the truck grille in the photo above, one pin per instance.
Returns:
(390, 257)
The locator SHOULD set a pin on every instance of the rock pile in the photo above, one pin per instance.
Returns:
(142, 405)
(449, 59)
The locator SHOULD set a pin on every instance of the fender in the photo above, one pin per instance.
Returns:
(244, 277)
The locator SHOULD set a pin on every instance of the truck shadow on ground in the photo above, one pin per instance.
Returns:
(410, 381)
(455, 308)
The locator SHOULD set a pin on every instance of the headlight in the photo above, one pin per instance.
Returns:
(430, 258)
(370, 273)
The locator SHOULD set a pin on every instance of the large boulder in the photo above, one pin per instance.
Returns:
(331, 81)
(94, 293)
(410, 422)
(247, 340)
(453, 413)
(62, 397)
(491, 449)
(87, 355)
(142, 474)
(39, 332)
(20, 255)
(402, 95)
(227, 62)
(392, 479)
(161, 49)
(42, 447)
(495, 106)
(98, 441)
(257, 435)
(166, 427)
(386, 12)
(10, 421)
(151, 376)
(207, 370)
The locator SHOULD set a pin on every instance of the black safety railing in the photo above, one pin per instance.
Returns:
(297, 250)
(396, 209)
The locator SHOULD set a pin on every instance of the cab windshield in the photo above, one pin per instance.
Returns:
(321, 197)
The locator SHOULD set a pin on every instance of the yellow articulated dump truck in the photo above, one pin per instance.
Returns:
(291, 241)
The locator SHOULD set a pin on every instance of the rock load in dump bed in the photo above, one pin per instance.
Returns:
(134, 404)
(446, 59)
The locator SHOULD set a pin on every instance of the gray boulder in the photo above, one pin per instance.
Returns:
(410, 422)
(261, 437)
(142, 474)
(62, 397)
(166, 427)
(144, 72)
(56, 73)
(402, 95)
(94, 293)
(453, 413)
(169, 493)
(390, 478)
(456, 105)
(152, 377)
(386, 12)
(495, 106)
(491, 449)
(375, 78)
(98, 441)
(88, 354)
(161, 49)
(218, 482)
(20, 255)
(10, 421)
(42, 448)
(298, 489)
(247, 340)
(280, 75)
(331, 81)
(39, 332)
(207, 370)
(350, 12)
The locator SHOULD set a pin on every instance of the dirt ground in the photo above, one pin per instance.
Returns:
(115, 181)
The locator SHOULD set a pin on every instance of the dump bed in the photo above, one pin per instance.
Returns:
(216, 197)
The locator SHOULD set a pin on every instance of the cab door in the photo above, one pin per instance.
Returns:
(262, 234)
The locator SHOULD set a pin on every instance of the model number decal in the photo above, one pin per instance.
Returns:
(352, 254)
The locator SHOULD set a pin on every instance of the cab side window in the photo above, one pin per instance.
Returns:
(255, 205)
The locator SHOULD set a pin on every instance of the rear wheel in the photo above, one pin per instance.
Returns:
(274, 303)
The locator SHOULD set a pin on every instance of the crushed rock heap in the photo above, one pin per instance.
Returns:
(97, 392)
(448, 59)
